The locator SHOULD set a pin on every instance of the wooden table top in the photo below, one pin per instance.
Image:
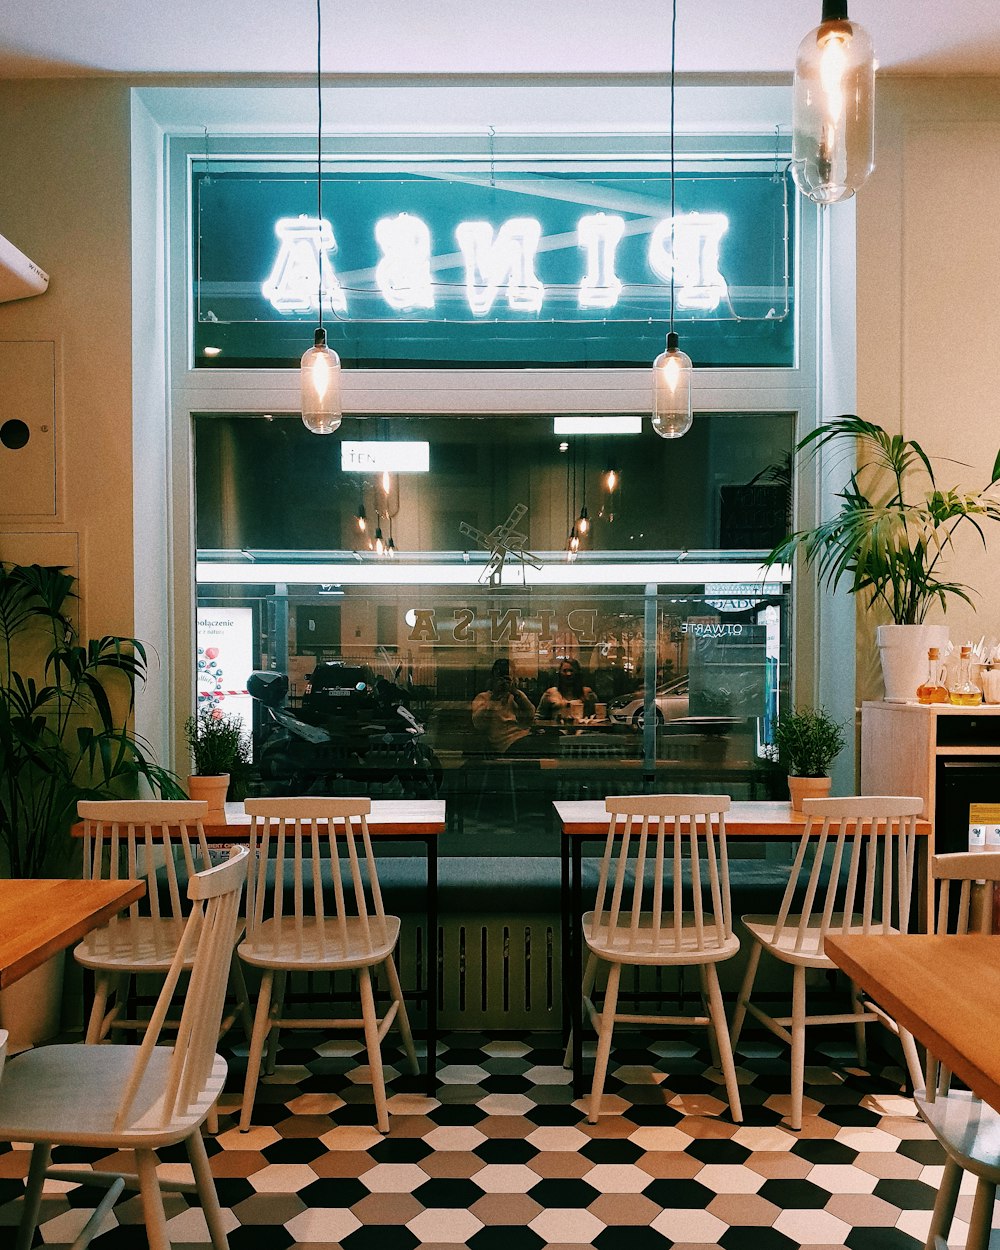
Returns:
(945, 990)
(389, 818)
(746, 818)
(40, 917)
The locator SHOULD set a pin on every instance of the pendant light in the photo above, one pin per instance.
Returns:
(320, 369)
(833, 108)
(672, 369)
(583, 520)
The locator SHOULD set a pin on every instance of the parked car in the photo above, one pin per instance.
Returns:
(670, 703)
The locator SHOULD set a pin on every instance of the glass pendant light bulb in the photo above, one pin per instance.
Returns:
(362, 519)
(611, 479)
(379, 541)
(833, 108)
(583, 523)
(386, 482)
(320, 374)
(390, 550)
(574, 540)
(672, 371)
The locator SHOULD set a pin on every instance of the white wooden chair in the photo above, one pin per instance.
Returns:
(137, 838)
(356, 935)
(967, 1128)
(875, 839)
(140, 1097)
(641, 920)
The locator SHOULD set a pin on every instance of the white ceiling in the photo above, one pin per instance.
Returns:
(70, 37)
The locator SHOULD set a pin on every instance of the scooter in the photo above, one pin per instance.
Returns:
(354, 734)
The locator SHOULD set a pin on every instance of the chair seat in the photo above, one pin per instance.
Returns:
(71, 1094)
(317, 944)
(967, 1127)
(137, 944)
(618, 945)
(783, 946)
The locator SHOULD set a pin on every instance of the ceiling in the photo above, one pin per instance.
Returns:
(48, 38)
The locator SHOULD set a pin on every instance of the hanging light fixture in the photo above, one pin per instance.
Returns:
(379, 541)
(390, 549)
(361, 519)
(583, 520)
(672, 369)
(833, 108)
(320, 369)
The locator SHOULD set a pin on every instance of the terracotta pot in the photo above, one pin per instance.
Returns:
(213, 791)
(800, 788)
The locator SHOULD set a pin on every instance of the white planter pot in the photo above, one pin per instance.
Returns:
(903, 652)
(31, 1008)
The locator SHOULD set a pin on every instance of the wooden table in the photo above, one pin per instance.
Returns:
(397, 820)
(38, 918)
(588, 819)
(945, 990)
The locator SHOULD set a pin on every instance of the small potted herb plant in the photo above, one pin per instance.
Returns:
(806, 742)
(220, 759)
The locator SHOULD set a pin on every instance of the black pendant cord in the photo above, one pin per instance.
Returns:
(673, 223)
(583, 510)
(319, 151)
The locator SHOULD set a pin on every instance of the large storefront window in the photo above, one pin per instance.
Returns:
(652, 658)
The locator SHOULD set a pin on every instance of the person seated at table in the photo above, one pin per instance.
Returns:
(504, 714)
(555, 702)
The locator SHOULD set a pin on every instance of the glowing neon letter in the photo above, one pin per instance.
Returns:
(294, 284)
(506, 261)
(693, 258)
(404, 272)
(599, 236)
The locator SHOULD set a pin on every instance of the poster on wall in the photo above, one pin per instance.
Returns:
(225, 661)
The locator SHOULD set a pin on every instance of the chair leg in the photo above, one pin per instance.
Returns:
(402, 1019)
(281, 981)
(706, 1004)
(102, 988)
(153, 1214)
(41, 1152)
(718, 1029)
(608, 1009)
(207, 1193)
(744, 995)
(981, 1219)
(913, 1065)
(589, 979)
(260, 1030)
(944, 1203)
(798, 1043)
(374, 1048)
(860, 1043)
(238, 985)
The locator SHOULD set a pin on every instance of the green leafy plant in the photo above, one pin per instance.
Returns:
(219, 745)
(807, 741)
(64, 713)
(889, 535)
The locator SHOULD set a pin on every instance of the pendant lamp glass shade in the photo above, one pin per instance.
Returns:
(672, 371)
(833, 108)
(320, 374)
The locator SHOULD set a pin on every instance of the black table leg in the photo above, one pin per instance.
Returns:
(432, 963)
(566, 922)
(576, 971)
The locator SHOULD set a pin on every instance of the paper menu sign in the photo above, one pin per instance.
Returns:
(984, 826)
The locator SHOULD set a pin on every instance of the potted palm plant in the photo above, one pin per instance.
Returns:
(220, 758)
(65, 708)
(806, 742)
(894, 527)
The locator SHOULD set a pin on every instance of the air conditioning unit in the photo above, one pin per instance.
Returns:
(19, 276)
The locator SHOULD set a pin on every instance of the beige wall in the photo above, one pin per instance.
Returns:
(65, 201)
(928, 306)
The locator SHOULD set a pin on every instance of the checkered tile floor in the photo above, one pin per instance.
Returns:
(504, 1157)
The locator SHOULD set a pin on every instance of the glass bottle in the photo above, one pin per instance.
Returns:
(932, 688)
(963, 691)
